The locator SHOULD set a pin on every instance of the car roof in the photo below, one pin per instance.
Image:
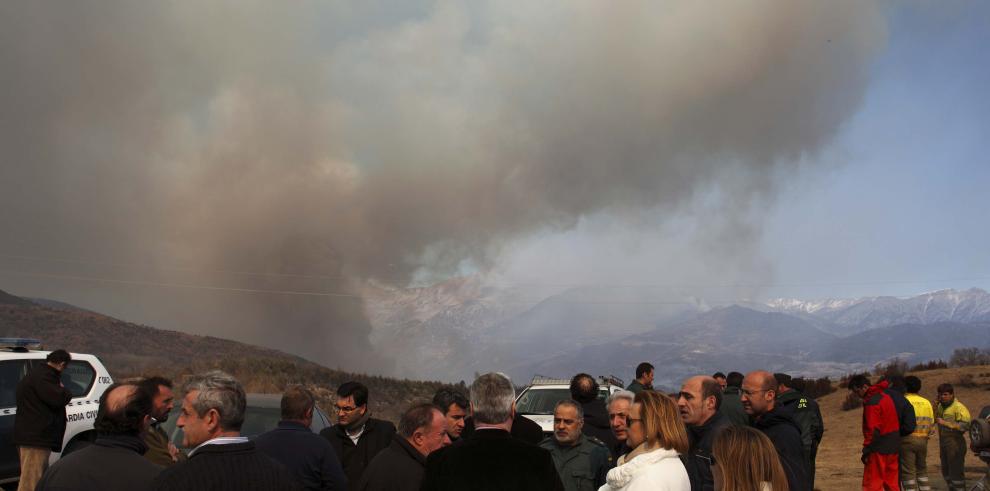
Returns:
(38, 355)
(264, 400)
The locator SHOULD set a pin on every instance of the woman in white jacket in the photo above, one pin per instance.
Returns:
(657, 436)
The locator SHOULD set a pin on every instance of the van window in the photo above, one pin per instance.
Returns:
(78, 377)
(11, 372)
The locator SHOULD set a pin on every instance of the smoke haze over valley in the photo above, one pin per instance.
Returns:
(434, 188)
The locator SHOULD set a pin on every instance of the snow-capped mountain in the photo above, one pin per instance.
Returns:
(851, 316)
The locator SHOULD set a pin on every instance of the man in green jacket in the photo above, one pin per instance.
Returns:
(644, 378)
(582, 461)
(731, 406)
(805, 412)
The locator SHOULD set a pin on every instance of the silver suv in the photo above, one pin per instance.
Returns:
(537, 401)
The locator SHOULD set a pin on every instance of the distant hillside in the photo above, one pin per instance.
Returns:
(131, 350)
(913, 343)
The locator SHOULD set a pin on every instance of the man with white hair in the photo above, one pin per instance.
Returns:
(490, 458)
(618, 410)
(211, 418)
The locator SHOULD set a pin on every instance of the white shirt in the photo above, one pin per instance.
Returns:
(220, 440)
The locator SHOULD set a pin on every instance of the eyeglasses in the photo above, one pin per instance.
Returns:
(345, 409)
(630, 421)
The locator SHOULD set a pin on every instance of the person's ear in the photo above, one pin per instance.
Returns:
(513, 412)
(309, 414)
(471, 408)
(213, 420)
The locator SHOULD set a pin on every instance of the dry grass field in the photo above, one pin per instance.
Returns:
(839, 467)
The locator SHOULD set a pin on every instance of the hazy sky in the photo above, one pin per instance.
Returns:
(739, 151)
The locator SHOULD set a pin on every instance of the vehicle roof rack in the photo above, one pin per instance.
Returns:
(20, 345)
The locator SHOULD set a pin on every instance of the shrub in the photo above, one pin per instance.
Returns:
(852, 401)
(814, 388)
(966, 380)
(929, 365)
(967, 357)
(895, 366)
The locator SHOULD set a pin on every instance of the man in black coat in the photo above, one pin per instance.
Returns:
(490, 459)
(698, 403)
(523, 429)
(39, 424)
(294, 445)
(759, 392)
(400, 467)
(220, 459)
(357, 437)
(584, 390)
(114, 462)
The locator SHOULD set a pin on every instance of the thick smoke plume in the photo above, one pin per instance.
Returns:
(351, 141)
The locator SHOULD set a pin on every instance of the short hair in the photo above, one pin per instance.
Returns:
(296, 402)
(584, 388)
(643, 369)
(912, 384)
(782, 379)
(419, 416)
(718, 375)
(152, 383)
(492, 396)
(572, 403)
(445, 397)
(946, 388)
(711, 388)
(126, 418)
(357, 390)
(896, 382)
(58, 356)
(620, 394)
(662, 421)
(858, 381)
(734, 379)
(222, 393)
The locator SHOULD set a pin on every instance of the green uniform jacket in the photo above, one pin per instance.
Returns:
(635, 387)
(157, 442)
(732, 408)
(583, 466)
(956, 418)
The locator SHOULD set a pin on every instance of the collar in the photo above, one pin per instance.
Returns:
(402, 444)
(293, 425)
(630, 464)
(222, 440)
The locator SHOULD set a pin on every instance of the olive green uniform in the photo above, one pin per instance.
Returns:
(952, 443)
(582, 467)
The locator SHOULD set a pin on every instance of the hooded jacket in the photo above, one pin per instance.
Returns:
(880, 422)
(805, 412)
(785, 435)
(657, 470)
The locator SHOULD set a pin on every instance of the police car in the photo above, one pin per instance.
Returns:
(84, 376)
(537, 401)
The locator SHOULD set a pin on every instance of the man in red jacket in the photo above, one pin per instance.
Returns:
(881, 440)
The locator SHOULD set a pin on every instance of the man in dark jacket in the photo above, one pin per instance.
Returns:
(905, 410)
(698, 403)
(293, 444)
(357, 437)
(731, 406)
(881, 440)
(114, 461)
(39, 424)
(490, 459)
(400, 467)
(584, 389)
(523, 429)
(220, 459)
(759, 393)
(805, 412)
(455, 407)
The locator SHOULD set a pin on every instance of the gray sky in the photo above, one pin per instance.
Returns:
(150, 148)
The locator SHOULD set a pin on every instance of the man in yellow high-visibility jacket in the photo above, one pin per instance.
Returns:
(953, 421)
(914, 447)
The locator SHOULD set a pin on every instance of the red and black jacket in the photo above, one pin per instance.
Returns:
(880, 422)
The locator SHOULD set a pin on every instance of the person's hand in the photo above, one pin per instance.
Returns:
(173, 451)
(940, 421)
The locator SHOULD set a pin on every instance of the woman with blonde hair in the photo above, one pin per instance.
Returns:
(745, 460)
(657, 437)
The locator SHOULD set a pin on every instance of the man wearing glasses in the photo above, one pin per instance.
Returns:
(759, 393)
(357, 437)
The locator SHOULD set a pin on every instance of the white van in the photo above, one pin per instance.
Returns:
(84, 376)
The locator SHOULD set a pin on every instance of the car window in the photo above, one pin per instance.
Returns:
(78, 377)
(11, 372)
(540, 401)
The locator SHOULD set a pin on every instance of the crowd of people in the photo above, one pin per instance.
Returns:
(756, 432)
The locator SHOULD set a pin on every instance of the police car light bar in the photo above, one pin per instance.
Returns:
(21, 343)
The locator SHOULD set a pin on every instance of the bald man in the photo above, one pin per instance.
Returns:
(114, 461)
(759, 393)
(698, 403)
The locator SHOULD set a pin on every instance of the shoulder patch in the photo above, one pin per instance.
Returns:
(595, 440)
